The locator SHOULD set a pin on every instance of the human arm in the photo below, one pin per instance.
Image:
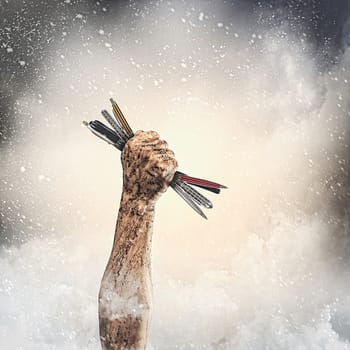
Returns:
(125, 293)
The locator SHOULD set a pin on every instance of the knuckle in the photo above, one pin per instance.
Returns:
(138, 132)
(152, 134)
(170, 153)
(163, 143)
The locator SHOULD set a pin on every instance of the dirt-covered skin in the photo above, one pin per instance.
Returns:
(126, 288)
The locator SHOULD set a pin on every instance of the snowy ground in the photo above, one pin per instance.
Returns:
(250, 106)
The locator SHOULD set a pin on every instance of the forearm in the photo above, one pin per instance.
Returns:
(125, 294)
(133, 234)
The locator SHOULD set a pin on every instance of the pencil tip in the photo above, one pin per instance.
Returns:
(222, 186)
(203, 216)
(85, 123)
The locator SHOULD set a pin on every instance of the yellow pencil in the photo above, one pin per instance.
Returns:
(118, 113)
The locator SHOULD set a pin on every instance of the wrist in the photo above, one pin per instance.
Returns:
(136, 204)
(136, 191)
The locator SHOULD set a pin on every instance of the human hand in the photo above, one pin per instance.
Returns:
(148, 166)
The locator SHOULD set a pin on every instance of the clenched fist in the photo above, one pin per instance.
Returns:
(148, 166)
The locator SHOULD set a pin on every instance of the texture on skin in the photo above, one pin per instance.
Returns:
(126, 289)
